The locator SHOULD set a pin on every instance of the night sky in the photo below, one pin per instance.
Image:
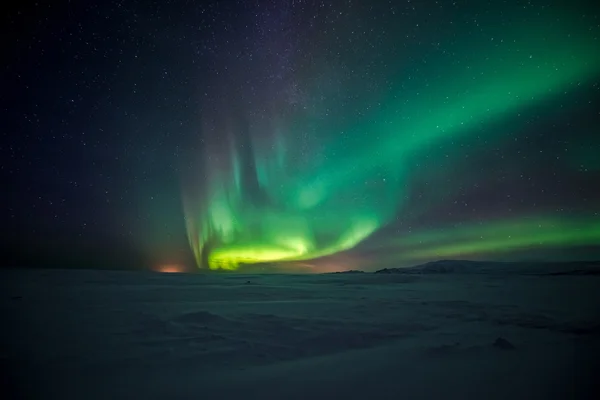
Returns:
(299, 135)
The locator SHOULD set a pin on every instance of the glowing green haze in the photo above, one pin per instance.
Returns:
(304, 185)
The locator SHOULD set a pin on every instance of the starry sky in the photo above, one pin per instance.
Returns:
(297, 135)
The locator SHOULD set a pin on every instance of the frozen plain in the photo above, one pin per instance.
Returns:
(126, 335)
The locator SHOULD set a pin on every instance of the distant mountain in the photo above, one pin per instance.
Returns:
(352, 271)
(484, 267)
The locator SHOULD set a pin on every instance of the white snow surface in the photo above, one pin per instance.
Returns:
(127, 335)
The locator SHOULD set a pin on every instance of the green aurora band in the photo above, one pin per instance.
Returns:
(275, 203)
(497, 237)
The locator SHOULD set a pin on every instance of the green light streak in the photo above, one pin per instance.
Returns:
(501, 237)
(479, 91)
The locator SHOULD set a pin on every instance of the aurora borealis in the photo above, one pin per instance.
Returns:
(324, 154)
(300, 135)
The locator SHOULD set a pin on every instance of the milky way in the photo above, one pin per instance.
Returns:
(345, 137)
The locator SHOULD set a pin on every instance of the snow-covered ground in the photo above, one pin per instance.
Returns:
(125, 335)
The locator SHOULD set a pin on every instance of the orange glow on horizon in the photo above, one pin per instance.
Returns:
(170, 268)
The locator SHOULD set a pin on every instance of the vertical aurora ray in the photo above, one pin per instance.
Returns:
(313, 186)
